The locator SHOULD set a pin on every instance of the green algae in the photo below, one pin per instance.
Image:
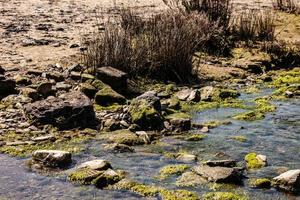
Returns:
(253, 162)
(179, 195)
(215, 123)
(172, 170)
(239, 138)
(146, 190)
(84, 176)
(260, 183)
(195, 137)
(224, 196)
(179, 115)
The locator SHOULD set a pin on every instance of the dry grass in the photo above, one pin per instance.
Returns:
(289, 6)
(160, 47)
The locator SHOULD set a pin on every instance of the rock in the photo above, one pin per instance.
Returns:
(75, 75)
(190, 179)
(118, 148)
(57, 76)
(66, 111)
(84, 176)
(111, 125)
(63, 86)
(255, 161)
(225, 94)
(44, 88)
(107, 96)
(219, 174)
(2, 70)
(72, 46)
(126, 137)
(186, 157)
(261, 183)
(144, 135)
(31, 93)
(145, 111)
(99, 165)
(184, 94)
(207, 93)
(35, 72)
(7, 87)
(52, 158)
(109, 177)
(288, 181)
(75, 68)
(86, 77)
(181, 124)
(195, 96)
(88, 90)
(221, 163)
(113, 77)
(21, 80)
(288, 94)
(44, 138)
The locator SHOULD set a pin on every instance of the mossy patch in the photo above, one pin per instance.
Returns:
(190, 179)
(195, 137)
(216, 123)
(240, 138)
(251, 90)
(112, 108)
(84, 176)
(179, 115)
(126, 137)
(224, 196)
(260, 183)
(172, 170)
(146, 190)
(253, 162)
(179, 195)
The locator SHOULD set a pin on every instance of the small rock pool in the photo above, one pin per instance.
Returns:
(277, 136)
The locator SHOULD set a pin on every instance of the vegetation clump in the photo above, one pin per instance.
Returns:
(240, 138)
(172, 170)
(224, 196)
(261, 183)
(84, 176)
(253, 162)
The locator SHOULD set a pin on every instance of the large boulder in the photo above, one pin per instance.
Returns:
(69, 110)
(52, 158)
(145, 111)
(219, 174)
(113, 77)
(288, 181)
(7, 87)
(107, 96)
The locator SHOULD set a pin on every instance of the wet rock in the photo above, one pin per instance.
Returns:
(288, 181)
(126, 137)
(144, 135)
(145, 111)
(221, 163)
(118, 148)
(109, 177)
(219, 174)
(7, 87)
(181, 124)
(186, 157)
(107, 96)
(66, 111)
(190, 179)
(99, 165)
(113, 77)
(225, 94)
(52, 158)
(84, 176)
(261, 183)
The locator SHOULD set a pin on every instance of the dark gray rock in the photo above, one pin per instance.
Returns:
(66, 111)
(113, 77)
(7, 87)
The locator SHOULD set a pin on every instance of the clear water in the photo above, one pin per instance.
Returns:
(276, 136)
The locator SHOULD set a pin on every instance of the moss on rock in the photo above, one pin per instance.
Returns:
(126, 137)
(260, 183)
(223, 196)
(178, 195)
(172, 170)
(253, 162)
(84, 176)
(107, 96)
(240, 138)
(195, 137)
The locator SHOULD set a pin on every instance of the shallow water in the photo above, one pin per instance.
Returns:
(276, 136)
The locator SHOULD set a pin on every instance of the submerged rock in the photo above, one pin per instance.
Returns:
(52, 158)
(66, 111)
(219, 174)
(288, 181)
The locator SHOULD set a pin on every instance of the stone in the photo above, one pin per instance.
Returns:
(195, 96)
(113, 77)
(145, 111)
(109, 177)
(144, 135)
(2, 71)
(22, 80)
(44, 88)
(99, 165)
(84, 176)
(52, 158)
(63, 86)
(44, 138)
(111, 125)
(126, 137)
(207, 93)
(58, 77)
(75, 68)
(219, 174)
(181, 124)
(221, 163)
(75, 75)
(288, 181)
(190, 179)
(88, 90)
(261, 183)
(68, 110)
(35, 72)
(107, 96)
(7, 87)
(31, 93)
(184, 94)
(186, 157)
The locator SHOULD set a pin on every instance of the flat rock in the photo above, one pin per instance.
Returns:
(221, 163)
(113, 77)
(219, 174)
(66, 111)
(96, 165)
(184, 94)
(288, 181)
(52, 158)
